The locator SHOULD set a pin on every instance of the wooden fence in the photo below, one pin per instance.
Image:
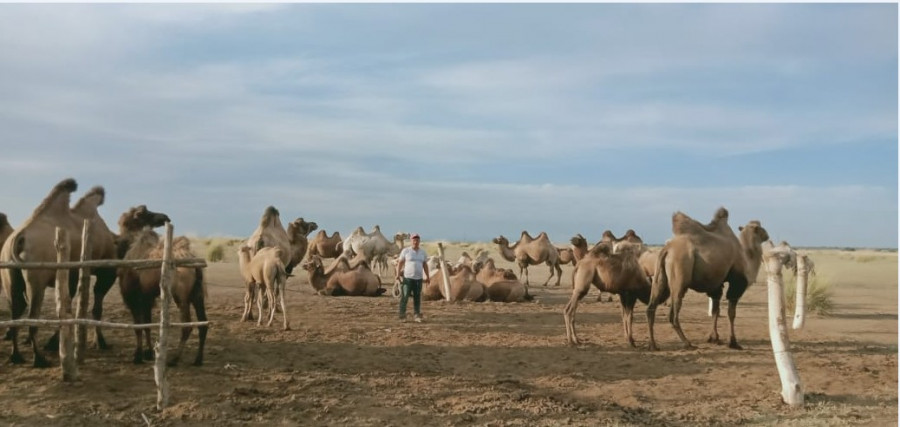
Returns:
(77, 326)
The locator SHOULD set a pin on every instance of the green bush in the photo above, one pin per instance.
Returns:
(215, 253)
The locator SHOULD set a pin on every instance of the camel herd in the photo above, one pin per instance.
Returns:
(702, 257)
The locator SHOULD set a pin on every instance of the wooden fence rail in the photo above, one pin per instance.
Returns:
(67, 323)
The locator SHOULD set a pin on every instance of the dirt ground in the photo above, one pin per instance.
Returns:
(348, 361)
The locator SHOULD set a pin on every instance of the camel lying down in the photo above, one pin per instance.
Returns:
(341, 279)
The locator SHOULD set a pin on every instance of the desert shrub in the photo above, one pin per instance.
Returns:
(215, 252)
(866, 258)
(818, 296)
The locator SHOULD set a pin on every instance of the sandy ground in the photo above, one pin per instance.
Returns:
(348, 361)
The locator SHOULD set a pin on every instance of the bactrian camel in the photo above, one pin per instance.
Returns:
(140, 288)
(463, 285)
(613, 272)
(531, 251)
(341, 279)
(501, 283)
(34, 241)
(263, 273)
(325, 246)
(292, 241)
(704, 257)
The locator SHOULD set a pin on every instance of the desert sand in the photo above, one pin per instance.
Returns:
(349, 361)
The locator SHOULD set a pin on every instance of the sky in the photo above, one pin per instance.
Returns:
(460, 122)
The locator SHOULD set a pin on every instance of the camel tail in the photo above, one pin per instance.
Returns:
(17, 244)
(660, 284)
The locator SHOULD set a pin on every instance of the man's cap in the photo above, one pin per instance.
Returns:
(415, 236)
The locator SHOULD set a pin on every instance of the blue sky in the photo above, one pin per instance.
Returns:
(460, 121)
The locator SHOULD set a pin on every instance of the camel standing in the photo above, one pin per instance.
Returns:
(703, 257)
(140, 288)
(325, 246)
(34, 241)
(271, 233)
(264, 272)
(613, 272)
(531, 251)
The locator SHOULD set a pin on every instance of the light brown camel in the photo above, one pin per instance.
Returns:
(140, 289)
(264, 272)
(703, 257)
(381, 260)
(613, 272)
(340, 279)
(630, 237)
(463, 285)
(501, 283)
(34, 241)
(271, 233)
(5, 228)
(325, 246)
(103, 246)
(531, 251)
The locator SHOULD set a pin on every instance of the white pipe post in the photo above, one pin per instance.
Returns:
(167, 275)
(444, 274)
(82, 296)
(791, 389)
(64, 309)
(803, 270)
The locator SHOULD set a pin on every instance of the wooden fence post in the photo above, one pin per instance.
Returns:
(64, 309)
(167, 275)
(804, 267)
(82, 297)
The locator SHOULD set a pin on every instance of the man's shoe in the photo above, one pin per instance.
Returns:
(417, 319)
(402, 319)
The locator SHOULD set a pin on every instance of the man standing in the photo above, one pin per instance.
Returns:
(411, 270)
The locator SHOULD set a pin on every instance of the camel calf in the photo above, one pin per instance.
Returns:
(263, 272)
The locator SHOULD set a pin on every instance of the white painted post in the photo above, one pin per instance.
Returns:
(444, 274)
(791, 389)
(82, 297)
(804, 267)
(167, 275)
(64, 309)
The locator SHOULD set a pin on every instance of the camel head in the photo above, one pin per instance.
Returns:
(300, 228)
(578, 241)
(754, 229)
(500, 240)
(312, 264)
(138, 217)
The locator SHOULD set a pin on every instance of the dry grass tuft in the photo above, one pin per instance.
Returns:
(818, 296)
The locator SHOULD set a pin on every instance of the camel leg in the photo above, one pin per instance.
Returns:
(184, 310)
(284, 316)
(627, 300)
(200, 308)
(148, 318)
(270, 294)
(37, 300)
(259, 304)
(137, 316)
(659, 292)
(674, 311)
(732, 312)
(569, 315)
(105, 279)
(551, 275)
(558, 274)
(523, 271)
(248, 302)
(715, 299)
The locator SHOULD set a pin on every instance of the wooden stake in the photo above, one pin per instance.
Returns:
(791, 389)
(804, 267)
(64, 309)
(82, 297)
(444, 274)
(167, 275)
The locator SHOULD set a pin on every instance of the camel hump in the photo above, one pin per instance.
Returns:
(269, 216)
(96, 191)
(602, 248)
(3, 219)
(608, 235)
(58, 197)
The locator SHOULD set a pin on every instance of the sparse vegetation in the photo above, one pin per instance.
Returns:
(818, 296)
(215, 252)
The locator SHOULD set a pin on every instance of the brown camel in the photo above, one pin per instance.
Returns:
(340, 279)
(34, 241)
(140, 288)
(703, 257)
(531, 251)
(463, 285)
(501, 283)
(264, 272)
(324, 246)
(613, 272)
